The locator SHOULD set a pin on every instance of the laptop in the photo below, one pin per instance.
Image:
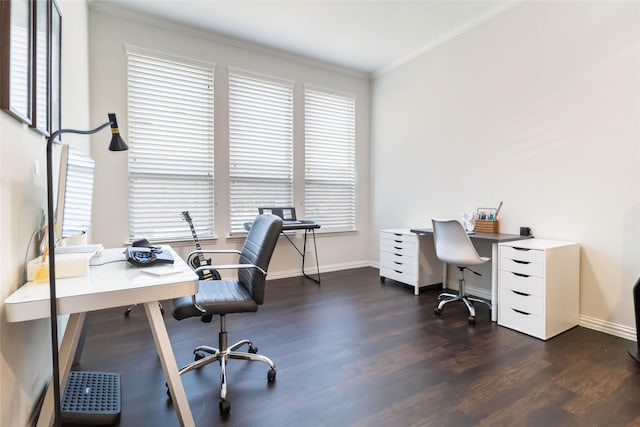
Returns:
(288, 214)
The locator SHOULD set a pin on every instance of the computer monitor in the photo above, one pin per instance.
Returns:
(286, 213)
(75, 192)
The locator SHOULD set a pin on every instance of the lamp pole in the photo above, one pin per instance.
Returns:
(117, 144)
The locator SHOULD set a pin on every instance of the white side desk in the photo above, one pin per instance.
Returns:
(114, 283)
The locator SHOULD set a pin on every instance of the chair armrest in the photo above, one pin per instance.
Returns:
(230, 267)
(222, 267)
(211, 251)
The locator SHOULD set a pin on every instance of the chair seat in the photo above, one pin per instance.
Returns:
(216, 297)
(481, 260)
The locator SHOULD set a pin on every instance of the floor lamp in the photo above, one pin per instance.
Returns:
(117, 144)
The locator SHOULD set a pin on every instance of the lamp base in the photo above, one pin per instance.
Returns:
(92, 398)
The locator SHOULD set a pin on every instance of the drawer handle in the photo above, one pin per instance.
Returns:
(520, 249)
(521, 312)
(398, 254)
(520, 262)
(398, 241)
(520, 293)
(397, 247)
(520, 274)
(396, 262)
(397, 271)
(396, 234)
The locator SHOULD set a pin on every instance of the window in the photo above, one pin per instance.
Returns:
(330, 178)
(170, 103)
(260, 145)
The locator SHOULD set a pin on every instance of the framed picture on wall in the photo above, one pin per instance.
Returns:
(56, 67)
(16, 48)
(41, 115)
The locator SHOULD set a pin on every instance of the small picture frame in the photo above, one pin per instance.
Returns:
(486, 214)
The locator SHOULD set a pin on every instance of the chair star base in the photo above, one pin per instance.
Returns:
(215, 355)
(445, 298)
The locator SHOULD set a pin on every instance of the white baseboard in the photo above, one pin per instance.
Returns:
(584, 321)
(311, 270)
(608, 327)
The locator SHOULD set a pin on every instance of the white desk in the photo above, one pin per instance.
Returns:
(494, 238)
(112, 284)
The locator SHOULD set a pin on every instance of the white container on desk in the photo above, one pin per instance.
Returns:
(539, 286)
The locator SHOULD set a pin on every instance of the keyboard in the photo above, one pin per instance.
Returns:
(297, 221)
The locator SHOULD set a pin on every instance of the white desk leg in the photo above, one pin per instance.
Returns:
(66, 354)
(169, 365)
(494, 282)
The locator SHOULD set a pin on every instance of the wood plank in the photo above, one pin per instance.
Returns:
(357, 352)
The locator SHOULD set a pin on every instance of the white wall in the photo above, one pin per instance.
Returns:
(25, 356)
(537, 107)
(110, 33)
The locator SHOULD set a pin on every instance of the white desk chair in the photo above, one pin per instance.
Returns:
(453, 246)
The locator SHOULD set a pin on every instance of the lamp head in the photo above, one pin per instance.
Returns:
(117, 143)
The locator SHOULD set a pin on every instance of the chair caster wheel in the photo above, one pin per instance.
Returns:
(271, 375)
(225, 407)
(253, 349)
(437, 311)
(197, 355)
(472, 320)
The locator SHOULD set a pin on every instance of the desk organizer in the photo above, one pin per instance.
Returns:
(484, 226)
(92, 398)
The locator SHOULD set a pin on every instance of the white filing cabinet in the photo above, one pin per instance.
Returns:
(539, 286)
(404, 259)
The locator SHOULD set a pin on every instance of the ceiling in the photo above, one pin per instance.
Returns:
(369, 36)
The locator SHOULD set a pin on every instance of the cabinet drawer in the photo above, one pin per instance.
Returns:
(399, 275)
(531, 304)
(529, 324)
(397, 262)
(527, 284)
(398, 238)
(528, 268)
(402, 248)
(522, 254)
(407, 248)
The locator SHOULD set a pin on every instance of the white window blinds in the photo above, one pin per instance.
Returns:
(170, 136)
(330, 177)
(260, 145)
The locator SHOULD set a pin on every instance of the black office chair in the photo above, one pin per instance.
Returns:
(453, 246)
(222, 297)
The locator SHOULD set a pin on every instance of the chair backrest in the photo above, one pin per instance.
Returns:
(257, 250)
(453, 245)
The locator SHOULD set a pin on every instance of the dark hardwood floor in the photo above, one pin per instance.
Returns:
(355, 352)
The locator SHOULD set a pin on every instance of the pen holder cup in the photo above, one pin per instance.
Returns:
(484, 226)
